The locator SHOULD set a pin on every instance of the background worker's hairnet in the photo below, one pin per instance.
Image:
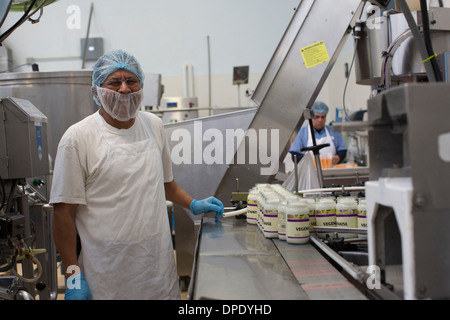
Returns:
(111, 62)
(319, 107)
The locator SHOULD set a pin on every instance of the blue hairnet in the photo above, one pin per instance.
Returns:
(320, 107)
(111, 62)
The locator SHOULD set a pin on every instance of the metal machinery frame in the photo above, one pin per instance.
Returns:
(407, 206)
(27, 252)
(25, 220)
(409, 169)
(201, 178)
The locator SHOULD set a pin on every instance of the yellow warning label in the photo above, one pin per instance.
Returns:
(315, 54)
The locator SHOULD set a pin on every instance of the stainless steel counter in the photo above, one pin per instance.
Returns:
(235, 261)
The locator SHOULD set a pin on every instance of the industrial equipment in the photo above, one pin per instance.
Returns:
(28, 142)
(403, 257)
(401, 53)
(406, 194)
(201, 177)
(63, 96)
(153, 91)
(24, 222)
(176, 109)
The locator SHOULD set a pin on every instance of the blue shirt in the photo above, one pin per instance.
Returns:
(301, 141)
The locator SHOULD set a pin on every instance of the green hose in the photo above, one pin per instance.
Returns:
(19, 5)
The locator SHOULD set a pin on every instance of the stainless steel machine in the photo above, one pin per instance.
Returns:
(407, 207)
(198, 177)
(27, 252)
(409, 170)
(32, 123)
(177, 109)
(63, 96)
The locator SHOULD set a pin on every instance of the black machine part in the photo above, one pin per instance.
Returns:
(11, 226)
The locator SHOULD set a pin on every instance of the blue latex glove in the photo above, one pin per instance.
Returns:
(77, 288)
(207, 205)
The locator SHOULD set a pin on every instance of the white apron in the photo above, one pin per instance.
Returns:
(126, 244)
(328, 139)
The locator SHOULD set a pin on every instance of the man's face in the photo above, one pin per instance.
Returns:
(122, 81)
(319, 121)
(126, 99)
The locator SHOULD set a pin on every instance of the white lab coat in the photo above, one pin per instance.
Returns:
(117, 178)
(328, 139)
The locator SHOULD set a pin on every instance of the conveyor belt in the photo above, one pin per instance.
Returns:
(316, 276)
(235, 261)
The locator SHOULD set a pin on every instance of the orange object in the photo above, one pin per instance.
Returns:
(325, 162)
(344, 165)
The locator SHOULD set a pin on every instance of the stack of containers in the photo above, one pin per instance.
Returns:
(346, 215)
(312, 213)
(264, 196)
(270, 214)
(325, 215)
(252, 202)
(361, 215)
(279, 213)
(252, 205)
(287, 196)
(297, 221)
(282, 219)
(260, 204)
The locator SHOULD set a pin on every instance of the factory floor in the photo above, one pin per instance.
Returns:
(61, 287)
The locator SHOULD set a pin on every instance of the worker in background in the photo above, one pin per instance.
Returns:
(112, 176)
(323, 133)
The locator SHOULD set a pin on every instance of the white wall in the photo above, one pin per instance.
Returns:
(164, 35)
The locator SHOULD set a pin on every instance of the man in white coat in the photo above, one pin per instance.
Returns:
(323, 134)
(112, 177)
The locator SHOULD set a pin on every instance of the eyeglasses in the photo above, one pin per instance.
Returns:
(115, 83)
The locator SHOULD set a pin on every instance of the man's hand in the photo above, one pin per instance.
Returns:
(207, 205)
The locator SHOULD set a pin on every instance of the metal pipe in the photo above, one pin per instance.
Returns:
(209, 74)
(343, 189)
(87, 37)
(427, 39)
(296, 173)
(234, 213)
(341, 230)
(316, 154)
(239, 95)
